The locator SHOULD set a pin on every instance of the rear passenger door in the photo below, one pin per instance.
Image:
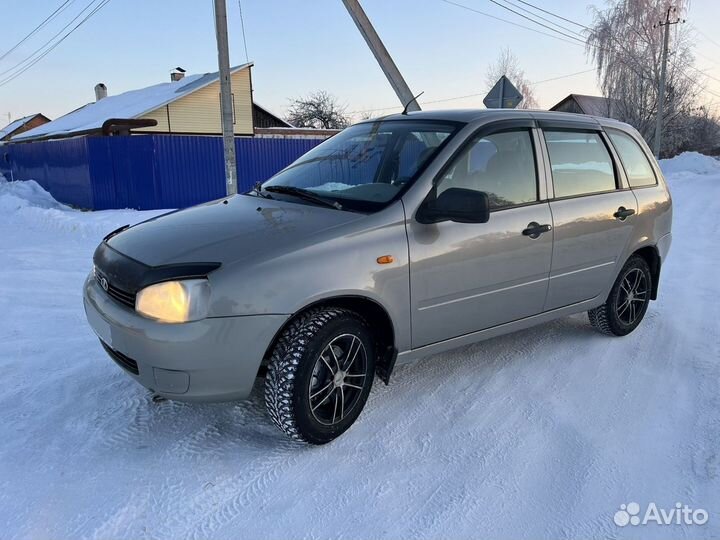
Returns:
(593, 213)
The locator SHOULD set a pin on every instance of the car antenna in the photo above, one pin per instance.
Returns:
(409, 102)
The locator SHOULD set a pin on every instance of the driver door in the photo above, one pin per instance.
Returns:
(466, 277)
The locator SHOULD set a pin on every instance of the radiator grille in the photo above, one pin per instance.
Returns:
(124, 297)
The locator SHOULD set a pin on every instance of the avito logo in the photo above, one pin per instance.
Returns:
(681, 514)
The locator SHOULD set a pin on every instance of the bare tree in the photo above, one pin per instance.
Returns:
(318, 110)
(625, 43)
(507, 64)
(701, 132)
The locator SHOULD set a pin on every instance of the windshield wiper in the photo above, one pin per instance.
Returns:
(304, 194)
(257, 189)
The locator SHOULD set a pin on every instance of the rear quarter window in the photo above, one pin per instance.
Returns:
(634, 161)
(580, 162)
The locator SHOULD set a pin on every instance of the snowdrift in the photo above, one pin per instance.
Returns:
(689, 163)
(16, 195)
(27, 204)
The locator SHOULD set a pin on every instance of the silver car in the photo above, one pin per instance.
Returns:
(398, 238)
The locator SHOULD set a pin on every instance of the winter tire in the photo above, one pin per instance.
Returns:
(320, 374)
(627, 302)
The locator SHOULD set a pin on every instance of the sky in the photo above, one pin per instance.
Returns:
(302, 46)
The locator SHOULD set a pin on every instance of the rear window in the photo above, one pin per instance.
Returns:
(580, 162)
(634, 160)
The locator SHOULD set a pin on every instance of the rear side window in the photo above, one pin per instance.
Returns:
(634, 160)
(502, 165)
(580, 162)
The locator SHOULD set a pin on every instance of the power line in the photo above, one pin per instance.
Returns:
(714, 94)
(468, 8)
(39, 49)
(242, 25)
(707, 37)
(37, 28)
(54, 45)
(575, 32)
(575, 40)
(554, 14)
(709, 59)
(580, 37)
(471, 95)
(564, 76)
(537, 22)
(699, 71)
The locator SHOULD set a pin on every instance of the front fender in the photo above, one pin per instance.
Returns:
(341, 265)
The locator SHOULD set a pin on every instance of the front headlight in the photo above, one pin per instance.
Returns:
(175, 301)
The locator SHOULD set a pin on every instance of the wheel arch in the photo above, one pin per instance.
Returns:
(652, 257)
(368, 308)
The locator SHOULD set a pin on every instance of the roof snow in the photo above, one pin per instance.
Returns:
(132, 104)
(16, 124)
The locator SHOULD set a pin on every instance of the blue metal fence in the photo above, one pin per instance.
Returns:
(144, 171)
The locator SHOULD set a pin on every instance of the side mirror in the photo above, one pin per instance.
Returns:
(456, 204)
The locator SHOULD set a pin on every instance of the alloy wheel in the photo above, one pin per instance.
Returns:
(338, 379)
(632, 296)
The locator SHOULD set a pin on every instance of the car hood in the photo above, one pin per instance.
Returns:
(226, 230)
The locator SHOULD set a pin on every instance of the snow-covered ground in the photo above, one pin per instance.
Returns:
(539, 434)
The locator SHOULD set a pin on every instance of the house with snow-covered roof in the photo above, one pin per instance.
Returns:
(186, 105)
(23, 124)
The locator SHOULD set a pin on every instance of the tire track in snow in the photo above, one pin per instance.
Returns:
(230, 495)
(439, 373)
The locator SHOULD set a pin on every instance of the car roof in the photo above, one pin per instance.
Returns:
(471, 115)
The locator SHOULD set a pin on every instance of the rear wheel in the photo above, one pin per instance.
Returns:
(627, 302)
(320, 374)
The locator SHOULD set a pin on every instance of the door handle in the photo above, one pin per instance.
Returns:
(534, 229)
(623, 213)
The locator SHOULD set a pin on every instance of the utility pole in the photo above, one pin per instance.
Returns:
(226, 106)
(663, 75)
(382, 55)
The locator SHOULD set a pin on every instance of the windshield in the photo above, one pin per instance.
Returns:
(367, 165)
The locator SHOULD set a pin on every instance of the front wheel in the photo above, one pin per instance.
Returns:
(320, 374)
(627, 302)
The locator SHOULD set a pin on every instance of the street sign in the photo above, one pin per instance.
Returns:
(503, 95)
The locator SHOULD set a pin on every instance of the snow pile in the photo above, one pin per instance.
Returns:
(17, 195)
(26, 204)
(690, 163)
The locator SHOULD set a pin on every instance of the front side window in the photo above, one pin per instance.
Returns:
(502, 165)
(367, 165)
(634, 160)
(580, 162)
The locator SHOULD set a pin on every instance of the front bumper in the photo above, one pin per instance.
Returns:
(214, 359)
